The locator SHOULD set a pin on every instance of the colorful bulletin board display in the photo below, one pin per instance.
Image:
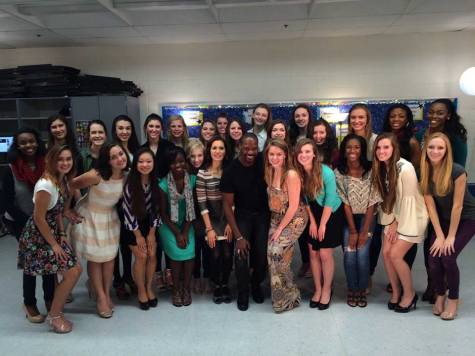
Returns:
(334, 111)
(81, 133)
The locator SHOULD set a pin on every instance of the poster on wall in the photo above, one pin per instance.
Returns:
(334, 111)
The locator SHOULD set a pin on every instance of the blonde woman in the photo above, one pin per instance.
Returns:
(452, 213)
(177, 131)
(359, 123)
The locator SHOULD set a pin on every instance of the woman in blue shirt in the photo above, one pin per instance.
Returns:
(326, 219)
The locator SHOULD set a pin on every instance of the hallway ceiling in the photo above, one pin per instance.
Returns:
(46, 23)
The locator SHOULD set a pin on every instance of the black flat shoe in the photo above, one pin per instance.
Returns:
(399, 309)
(243, 302)
(226, 294)
(144, 305)
(258, 295)
(152, 303)
(218, 295)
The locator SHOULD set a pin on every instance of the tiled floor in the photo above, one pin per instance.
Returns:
(208, 329)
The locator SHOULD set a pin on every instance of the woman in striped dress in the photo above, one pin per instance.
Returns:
(96, 238)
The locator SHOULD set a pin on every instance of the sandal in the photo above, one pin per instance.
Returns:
(362, 302)
(186, 297)
(58, 324)
(177, 299)
(350, 299)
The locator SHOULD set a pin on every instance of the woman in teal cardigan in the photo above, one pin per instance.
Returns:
(325, 229)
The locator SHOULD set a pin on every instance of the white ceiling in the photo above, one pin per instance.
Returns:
(43, 23)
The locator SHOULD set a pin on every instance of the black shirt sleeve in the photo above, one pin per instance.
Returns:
(226, 184)
(8, 187)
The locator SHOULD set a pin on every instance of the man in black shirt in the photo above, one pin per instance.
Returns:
(243, 187)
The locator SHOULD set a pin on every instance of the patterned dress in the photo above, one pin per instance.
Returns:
(35, 255)
(96, 238)
(285, 294)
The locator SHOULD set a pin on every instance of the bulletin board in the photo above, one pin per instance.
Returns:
(334, 111)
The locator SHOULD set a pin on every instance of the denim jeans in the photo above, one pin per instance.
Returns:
(357, 261)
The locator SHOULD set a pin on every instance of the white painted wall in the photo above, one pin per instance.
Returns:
(393, 66)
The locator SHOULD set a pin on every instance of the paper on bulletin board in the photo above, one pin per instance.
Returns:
(192, 117)
(341, 130)
(417, 111)
(332, 114)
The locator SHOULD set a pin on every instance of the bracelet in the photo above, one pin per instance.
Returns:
(62, 233)
(239, 238)
(209, 229)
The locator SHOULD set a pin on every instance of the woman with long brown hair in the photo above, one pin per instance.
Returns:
(403, 215)
(43, 248)
(325, 230)
(289, 217)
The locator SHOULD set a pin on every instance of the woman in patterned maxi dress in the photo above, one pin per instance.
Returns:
(288, 220)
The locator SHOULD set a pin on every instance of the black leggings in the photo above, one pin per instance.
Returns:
(29, 289)
(126, 253)
(221, 262)
(202, 257)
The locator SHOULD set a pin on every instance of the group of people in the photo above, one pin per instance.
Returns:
(237, 199)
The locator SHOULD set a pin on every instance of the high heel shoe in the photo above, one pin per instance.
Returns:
(144, 305)
(391, 305)
(399, 309)
(58, 324)
(325, 306)
(35, 319)
(153, 303)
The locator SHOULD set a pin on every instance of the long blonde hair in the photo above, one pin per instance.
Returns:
(313, 182)
(268, 170)
(185, 137)
(382, 173)
(444, 182)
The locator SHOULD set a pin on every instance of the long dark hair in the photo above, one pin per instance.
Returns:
(133, 143)
(149, 118)
(452, 127)
(70, 136)
(330, 144)
(134, 187)
(364, 163)
(97, 122)
(207, 159)
(13, 151)
(103, 165)
(293, 128)
(230, 143)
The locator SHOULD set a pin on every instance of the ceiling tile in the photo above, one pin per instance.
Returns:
(434, 6)
(263, 13)
(359, 8)
(269, 26)
(77, 20)
(155, 17)
(8, 23)
(349, 23)
(95, 32)
(113, 41)
(264, 35)
(171, 30)
(187, 38)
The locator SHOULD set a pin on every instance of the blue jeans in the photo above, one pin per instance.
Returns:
(357, 261)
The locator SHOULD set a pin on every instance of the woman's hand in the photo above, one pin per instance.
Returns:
(352, 241)
(321, 232)
(437, 248)
(449, 245)
(391, 232)
(362, 239)
(275, 236)
(73, 217)
(59, 252)
(151, 245)
(180, 240)
(228, 233)
(211, 237)
(141, 243)
(313, 230)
